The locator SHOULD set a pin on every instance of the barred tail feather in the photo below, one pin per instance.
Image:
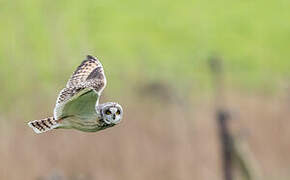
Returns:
(43, 125)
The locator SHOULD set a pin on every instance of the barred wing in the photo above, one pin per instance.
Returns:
(88, 76)
(90, 70)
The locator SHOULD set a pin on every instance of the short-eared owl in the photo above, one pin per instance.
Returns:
(77, 106)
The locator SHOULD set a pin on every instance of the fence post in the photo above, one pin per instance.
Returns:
(222, 116)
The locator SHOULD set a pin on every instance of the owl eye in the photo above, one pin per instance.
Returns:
(108, 112)
(118, 112)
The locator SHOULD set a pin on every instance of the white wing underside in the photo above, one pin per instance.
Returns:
(59, 107)
(88, 76)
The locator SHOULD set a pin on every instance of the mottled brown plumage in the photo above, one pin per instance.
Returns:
(72, 102)
(90, 69)
(90, 74)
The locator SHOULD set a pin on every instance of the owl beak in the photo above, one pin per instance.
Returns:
(117, 121)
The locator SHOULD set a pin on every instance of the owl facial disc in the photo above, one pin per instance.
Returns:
(112, 113)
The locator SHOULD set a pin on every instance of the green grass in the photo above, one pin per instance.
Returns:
(42, 41)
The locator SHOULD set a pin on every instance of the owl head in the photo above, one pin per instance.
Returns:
(111, 112)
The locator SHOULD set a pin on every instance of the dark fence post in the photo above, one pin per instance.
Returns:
(226, 142)
(222, 117)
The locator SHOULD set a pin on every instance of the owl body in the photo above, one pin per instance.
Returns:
(84, 124)
(77, 106)
(107, 115)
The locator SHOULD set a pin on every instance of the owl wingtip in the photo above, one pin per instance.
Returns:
(90, 57)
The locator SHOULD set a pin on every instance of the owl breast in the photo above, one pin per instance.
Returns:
(84, 124)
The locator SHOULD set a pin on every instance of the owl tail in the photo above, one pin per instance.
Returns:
(43, 125)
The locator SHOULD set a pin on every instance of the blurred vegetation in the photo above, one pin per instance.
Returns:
(155, 55)
(43, 41)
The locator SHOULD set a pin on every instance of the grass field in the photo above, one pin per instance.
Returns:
(41, 41)
(153, 142)
(143, 44)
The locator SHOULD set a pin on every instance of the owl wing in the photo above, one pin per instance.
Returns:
(90, 71)
(81, 105)
(88, 77)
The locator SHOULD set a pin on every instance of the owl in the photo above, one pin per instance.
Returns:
(77, 106)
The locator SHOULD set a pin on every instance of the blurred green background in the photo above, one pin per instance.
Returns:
(139, 42)
(42, 41)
